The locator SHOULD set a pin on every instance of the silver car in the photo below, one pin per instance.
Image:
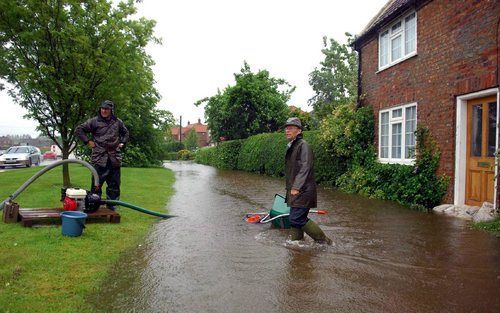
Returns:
(21, 156)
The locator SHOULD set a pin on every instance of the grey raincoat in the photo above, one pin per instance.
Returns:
(107, 135)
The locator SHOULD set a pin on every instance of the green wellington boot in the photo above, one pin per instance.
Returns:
(313, 230)
(296, 233)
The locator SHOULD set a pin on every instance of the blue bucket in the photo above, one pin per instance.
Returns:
(73, 223)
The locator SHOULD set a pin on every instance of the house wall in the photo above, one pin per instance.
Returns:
(456, 55)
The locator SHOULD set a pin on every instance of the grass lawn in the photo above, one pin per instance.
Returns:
(42, 271)
(492, 227)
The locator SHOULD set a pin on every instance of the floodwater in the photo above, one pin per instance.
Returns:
(385, 258)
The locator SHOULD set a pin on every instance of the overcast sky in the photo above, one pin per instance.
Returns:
(206, 42)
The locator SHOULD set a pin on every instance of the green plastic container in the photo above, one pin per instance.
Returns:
(280, 207)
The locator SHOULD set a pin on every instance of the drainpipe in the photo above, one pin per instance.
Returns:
(359, 79)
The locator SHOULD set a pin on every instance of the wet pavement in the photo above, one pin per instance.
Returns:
(385, 258)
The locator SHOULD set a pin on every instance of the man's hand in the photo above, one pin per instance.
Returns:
(91, 144)
(294, 192)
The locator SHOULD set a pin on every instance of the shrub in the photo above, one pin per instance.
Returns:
(416, 186)
(347, 134)
(173, 146)
(171, 156)
(185, 155)
(223, 156)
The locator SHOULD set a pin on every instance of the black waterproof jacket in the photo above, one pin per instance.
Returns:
(299, 174)
(107, 135)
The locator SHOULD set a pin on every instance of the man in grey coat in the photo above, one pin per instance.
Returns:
(300, 184)
(109, 135)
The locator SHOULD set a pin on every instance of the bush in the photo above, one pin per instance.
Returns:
(172, 156)
(263, 154)
(347, 134)
(223, 156)
(135, 156)
(415, 186)
(173, 146)
(185, 155)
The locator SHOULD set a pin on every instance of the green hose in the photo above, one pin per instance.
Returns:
(137, 208)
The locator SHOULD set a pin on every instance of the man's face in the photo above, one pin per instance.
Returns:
(291, 132)
(105, 112)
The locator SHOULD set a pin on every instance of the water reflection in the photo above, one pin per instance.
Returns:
(385, 258)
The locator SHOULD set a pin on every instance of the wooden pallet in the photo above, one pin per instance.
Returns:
(28, 217)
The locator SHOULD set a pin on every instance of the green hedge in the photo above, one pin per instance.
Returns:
(265, 154)
(223, 156)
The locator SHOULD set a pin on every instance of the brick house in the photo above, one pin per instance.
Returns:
(435, 63)
(200, 129)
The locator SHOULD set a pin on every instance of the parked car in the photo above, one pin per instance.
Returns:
(50, 155)
(21, 156)
(2, 152)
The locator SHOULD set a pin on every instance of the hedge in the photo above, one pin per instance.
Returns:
(265, 154)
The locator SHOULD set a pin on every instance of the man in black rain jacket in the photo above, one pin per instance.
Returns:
(109, 135)
(300, 184)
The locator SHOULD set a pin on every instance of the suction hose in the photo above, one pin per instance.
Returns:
(137, 208)
(46, 169)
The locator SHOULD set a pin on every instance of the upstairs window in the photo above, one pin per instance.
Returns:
(397, 134)
(398, 41)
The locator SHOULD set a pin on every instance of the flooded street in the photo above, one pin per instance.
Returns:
(385, 258)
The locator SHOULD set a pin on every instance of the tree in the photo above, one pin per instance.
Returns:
(64, 57)
(305, 117)
(191, 141)
(336, 81)
(255, 104)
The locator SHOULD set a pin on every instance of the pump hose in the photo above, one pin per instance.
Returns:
(46, 169)
(137, 208)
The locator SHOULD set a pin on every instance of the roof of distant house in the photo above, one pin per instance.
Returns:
(198, 127)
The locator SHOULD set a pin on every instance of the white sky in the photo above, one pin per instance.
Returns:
(205, 42)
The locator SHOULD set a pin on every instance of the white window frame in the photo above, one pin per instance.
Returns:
(395, 120)
(401, 32)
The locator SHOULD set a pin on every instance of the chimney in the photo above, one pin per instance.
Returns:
(189, 123)
(199, 121)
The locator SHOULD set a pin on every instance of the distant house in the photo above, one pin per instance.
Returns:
(435, 63)
(5, 142)
(200, 129)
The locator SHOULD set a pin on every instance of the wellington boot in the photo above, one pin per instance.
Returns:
(296, 233)
(313, 230)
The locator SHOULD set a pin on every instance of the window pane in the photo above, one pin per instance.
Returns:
(410, 34)
(492, 123)
(396, 141)
(396, 28)
(397, 113)
(384, 49)
(477, 126)
(410, 126)
(396, 48)
(384, 135)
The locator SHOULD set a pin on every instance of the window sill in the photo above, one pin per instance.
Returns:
(409, 56)
(397, 161)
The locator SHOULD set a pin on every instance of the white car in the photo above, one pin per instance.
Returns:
(21, 156)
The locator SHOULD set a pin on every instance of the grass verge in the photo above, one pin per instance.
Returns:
(42, 271)
(492, 226)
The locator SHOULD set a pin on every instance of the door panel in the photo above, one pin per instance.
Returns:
(481, 141)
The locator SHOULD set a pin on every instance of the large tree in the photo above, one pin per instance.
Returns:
(63, 57)
(257, 103)
(335, 81)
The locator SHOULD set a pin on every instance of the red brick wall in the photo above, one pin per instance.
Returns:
(456, 54)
